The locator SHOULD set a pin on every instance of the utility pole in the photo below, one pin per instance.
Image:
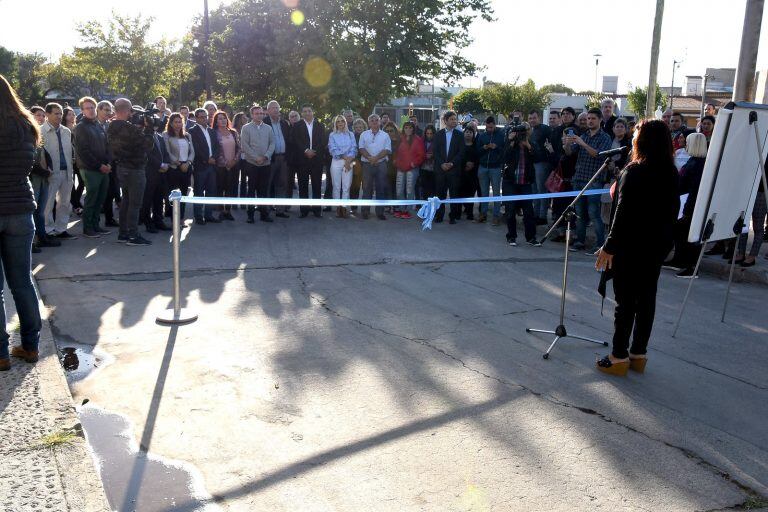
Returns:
(704, 93)
(744, 85)
(206, 60)
(675, 64)
(597, 63)
(650, 104)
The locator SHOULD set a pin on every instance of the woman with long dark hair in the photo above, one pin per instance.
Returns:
(181, 153)
(427, 174)
(227, 159)
(646, 206)
(19, 136)
(408, 159)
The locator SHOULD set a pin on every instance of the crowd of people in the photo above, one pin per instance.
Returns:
(55, 163)
(116, 159)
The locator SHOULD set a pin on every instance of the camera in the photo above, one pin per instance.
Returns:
(147, 116)
(518, 128)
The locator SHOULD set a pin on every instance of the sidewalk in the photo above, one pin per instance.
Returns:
(44, 459)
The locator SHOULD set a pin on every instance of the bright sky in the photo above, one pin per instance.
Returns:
(547, 40)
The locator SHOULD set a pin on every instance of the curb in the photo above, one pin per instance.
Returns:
(721, 268)
(83, 489)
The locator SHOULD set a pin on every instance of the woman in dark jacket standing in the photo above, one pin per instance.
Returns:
(19, 136)
(639, 240)
(684, 259)
(518, 178)
(470, 184)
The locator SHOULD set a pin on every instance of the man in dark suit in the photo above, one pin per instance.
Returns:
(448, 151)
(280, 158)
(152, 207)
(205, 144)
(310, 146)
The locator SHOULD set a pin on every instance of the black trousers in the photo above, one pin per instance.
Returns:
(634, 285)
(78, 186)
(686, 253)
(529, 217)
(427, 182)
(315, 173)
(448, 182)
(175, 179)
(226, 184)
(258, 185)
(470, 186)
(113, 194)
(154, 192)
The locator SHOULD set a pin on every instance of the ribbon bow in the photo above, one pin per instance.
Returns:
(428, 211)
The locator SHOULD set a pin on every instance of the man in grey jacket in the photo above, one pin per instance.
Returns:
(57, 141)
(258, 144)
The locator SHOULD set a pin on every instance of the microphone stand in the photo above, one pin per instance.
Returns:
(568, 217)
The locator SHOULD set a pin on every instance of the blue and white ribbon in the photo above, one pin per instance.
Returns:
(427, 209)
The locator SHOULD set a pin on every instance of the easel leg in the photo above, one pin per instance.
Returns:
(730, 280)
(690, 285)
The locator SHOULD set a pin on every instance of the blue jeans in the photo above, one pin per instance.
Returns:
(205, 185)
(16, 233)
(592, 205)
(40, 188)
(490, 177)
(540, 206)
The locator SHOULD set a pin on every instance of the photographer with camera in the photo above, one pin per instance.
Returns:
(519, 176)
(130, 136)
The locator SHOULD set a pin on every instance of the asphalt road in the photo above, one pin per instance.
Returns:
(354, 365)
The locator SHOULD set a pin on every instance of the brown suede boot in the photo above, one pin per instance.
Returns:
(29, 356)
(339, 213)
(5, 365)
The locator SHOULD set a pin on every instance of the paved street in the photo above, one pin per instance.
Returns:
(348, 365)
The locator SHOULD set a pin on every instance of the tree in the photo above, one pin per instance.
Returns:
(25, 72)
(504, 98)
(339, 53)
(594, 100)
(468, 101)
(116, 58)
(558, 88)
(637, 98)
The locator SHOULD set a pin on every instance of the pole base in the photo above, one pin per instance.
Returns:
(168, 317)
(561, 333)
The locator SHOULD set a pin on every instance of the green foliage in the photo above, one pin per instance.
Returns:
(638, 97)
(593, 100)
(115, 57)
(469, 101)
(558, 88)
(504, 98)
(368, 52)
(25, 72)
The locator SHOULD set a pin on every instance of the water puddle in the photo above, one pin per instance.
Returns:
(79, 360)
(135, 480)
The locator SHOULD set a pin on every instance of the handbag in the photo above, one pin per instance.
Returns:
(554, 181)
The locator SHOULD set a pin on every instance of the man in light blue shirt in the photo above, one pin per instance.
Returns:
(279, 176)
(375, 148)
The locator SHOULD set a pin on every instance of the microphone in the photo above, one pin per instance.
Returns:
(612, 152)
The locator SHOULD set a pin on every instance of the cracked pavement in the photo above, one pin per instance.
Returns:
(353, 365)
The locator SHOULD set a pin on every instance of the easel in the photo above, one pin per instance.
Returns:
(737, 229)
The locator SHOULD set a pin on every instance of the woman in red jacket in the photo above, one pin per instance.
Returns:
(409, 157)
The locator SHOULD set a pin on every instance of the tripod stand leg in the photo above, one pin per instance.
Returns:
(540, 330)
(546, 354)
(603, 343)
(730, 279)
(690, 285)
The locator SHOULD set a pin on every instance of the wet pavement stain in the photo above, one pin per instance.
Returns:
(80, 360)
(134, 479)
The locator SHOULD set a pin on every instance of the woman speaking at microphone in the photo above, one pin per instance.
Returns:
(646, 206)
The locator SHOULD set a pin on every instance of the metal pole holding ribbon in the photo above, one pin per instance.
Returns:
(176, 315)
